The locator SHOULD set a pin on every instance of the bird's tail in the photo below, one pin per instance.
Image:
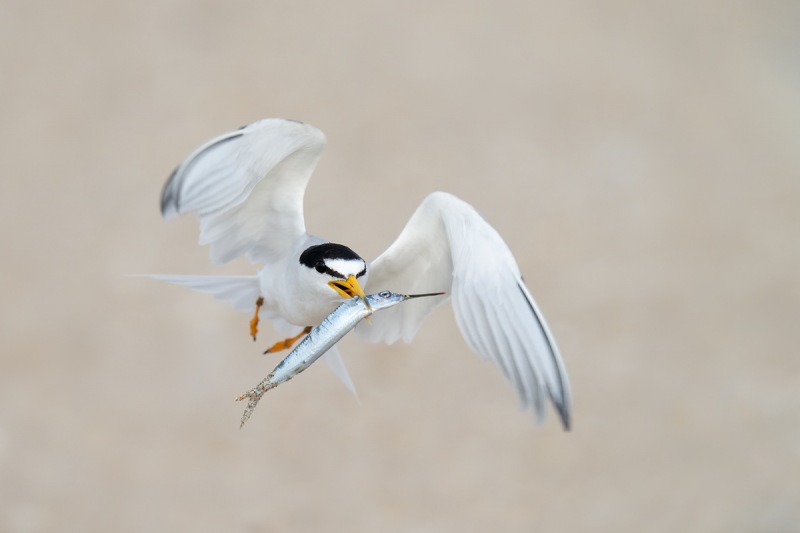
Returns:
(239, 291)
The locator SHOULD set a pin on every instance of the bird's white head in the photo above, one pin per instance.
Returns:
(336, 265)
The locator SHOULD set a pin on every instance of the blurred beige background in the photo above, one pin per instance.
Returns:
(640, 158)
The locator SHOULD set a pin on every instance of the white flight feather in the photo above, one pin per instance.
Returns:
(247, 188)
(447, 246)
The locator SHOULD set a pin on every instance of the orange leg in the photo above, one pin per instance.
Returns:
(287, 343)
(254, 321)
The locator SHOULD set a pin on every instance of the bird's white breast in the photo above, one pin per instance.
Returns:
(296, 293)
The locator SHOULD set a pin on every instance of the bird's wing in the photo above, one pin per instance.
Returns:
(247, 188)
(447, 246)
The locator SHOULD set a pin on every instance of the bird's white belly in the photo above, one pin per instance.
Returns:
(304, 312)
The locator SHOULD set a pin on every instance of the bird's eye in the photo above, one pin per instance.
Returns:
(320, 267)
(384, 294)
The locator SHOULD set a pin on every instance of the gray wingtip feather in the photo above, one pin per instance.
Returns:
(169, 197)
(561, 396)
(563, 410)
(171, 194)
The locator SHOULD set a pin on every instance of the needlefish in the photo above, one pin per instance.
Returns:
(320, 339)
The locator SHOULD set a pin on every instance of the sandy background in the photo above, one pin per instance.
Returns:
(641, 159)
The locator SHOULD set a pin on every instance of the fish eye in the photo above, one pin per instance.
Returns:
(384, 294)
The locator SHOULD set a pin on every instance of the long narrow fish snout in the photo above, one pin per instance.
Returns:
(424, 295)
(386, 299)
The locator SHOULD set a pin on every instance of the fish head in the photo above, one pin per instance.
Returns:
(385, 300)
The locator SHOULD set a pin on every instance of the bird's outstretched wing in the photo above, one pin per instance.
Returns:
(247, 188)
(447, 246)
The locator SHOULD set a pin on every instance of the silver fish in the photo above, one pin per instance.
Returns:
(335, 326)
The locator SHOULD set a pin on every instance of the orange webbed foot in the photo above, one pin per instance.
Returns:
(287, 343)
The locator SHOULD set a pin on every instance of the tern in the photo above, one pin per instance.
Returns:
(246, 188)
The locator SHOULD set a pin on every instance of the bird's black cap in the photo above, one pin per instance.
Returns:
(315, 256)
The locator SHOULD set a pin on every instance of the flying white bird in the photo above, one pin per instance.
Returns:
(246, 188)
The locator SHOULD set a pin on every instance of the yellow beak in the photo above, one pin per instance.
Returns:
(349, 288)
